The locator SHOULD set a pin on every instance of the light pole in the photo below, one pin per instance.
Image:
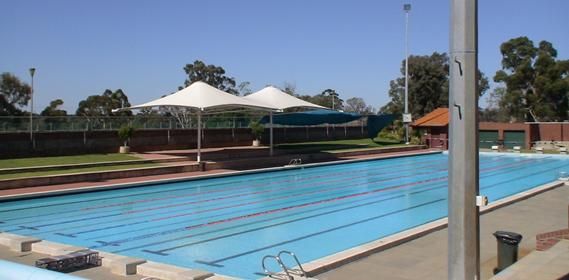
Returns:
(32, 72)
(406, 116)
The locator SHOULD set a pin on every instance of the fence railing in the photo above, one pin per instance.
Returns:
(79, 123)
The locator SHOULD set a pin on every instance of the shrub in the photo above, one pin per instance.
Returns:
(125, 132)
(257, 129)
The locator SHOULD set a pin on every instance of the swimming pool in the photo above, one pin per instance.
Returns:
(227, 224)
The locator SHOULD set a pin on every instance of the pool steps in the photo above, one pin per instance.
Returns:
(118, 264)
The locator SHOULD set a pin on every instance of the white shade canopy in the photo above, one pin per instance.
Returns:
(276, 98)
(202, 96)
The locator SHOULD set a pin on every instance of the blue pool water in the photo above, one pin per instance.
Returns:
(227, 224)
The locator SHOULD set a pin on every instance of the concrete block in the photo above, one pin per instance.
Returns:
(120, 265)
(170, 272)
(16, 242)
(54, 249)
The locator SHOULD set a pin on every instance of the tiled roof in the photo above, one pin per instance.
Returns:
(438, 117)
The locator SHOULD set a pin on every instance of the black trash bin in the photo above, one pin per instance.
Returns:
(507, 249)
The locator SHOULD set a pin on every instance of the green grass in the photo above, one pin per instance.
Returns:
(339, 145)
(62, 160)
(75, 170)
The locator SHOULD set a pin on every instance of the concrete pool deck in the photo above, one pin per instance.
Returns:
(425, 257)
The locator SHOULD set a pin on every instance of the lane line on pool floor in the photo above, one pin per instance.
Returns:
(405, 160)
(496, 184)
(106, 216)
(197, 242)
(217, 261)
(248, 186)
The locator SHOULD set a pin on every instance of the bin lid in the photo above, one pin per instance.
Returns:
(509, 237)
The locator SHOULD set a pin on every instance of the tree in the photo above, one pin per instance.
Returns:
(14, 94)
(244, 88)
(118, 99)
(335, 102)
(536, 82)
(289, 88)
(53, 111)
(357, 105)
(103, 105)
(210, 74)
(428, 85)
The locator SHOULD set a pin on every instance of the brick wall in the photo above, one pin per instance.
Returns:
(82, 142)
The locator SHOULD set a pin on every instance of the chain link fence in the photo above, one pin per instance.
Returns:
(79, 123)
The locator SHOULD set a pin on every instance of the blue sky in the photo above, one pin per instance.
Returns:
(80, 48)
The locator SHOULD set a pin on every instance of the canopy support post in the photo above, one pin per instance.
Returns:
(271, 132)
(199, 157)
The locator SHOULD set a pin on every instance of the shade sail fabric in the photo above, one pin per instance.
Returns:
(276, 98)
(375, 123)
(202, 96)
(312, 118)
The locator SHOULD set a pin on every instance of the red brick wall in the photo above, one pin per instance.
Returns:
(82, 142)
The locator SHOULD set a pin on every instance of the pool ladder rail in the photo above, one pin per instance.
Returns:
(287, 273)
(294, 162)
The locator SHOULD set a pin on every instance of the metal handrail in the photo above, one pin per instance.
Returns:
(300, 271)
(295, 161)
(276, 275)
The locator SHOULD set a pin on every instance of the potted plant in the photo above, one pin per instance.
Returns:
(125, 132)
(257, 129)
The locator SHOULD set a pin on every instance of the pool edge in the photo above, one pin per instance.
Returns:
(336, 260)
(200, 177)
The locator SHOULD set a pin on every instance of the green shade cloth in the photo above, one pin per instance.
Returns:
(375, 123)
(312, 118)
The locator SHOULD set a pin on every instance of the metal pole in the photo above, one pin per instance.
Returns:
(199, 135)
(463, 225)
(407, 8)
(332, 101)
(32, 72)
(271, 132)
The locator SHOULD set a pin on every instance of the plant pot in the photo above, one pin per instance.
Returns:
(256, 143)
(124, 149)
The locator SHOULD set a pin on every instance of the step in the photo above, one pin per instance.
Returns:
(121, 265)
(54, 249)
(550, 264)
(16, 242)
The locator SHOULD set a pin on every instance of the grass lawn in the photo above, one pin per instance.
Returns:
(75, 170)
(339, 145)
(43, 161)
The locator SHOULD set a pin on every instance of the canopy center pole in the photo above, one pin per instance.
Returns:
(199, 157)
(271, 132)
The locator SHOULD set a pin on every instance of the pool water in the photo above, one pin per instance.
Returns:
(227, 224)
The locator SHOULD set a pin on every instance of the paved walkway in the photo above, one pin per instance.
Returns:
(425, 257)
